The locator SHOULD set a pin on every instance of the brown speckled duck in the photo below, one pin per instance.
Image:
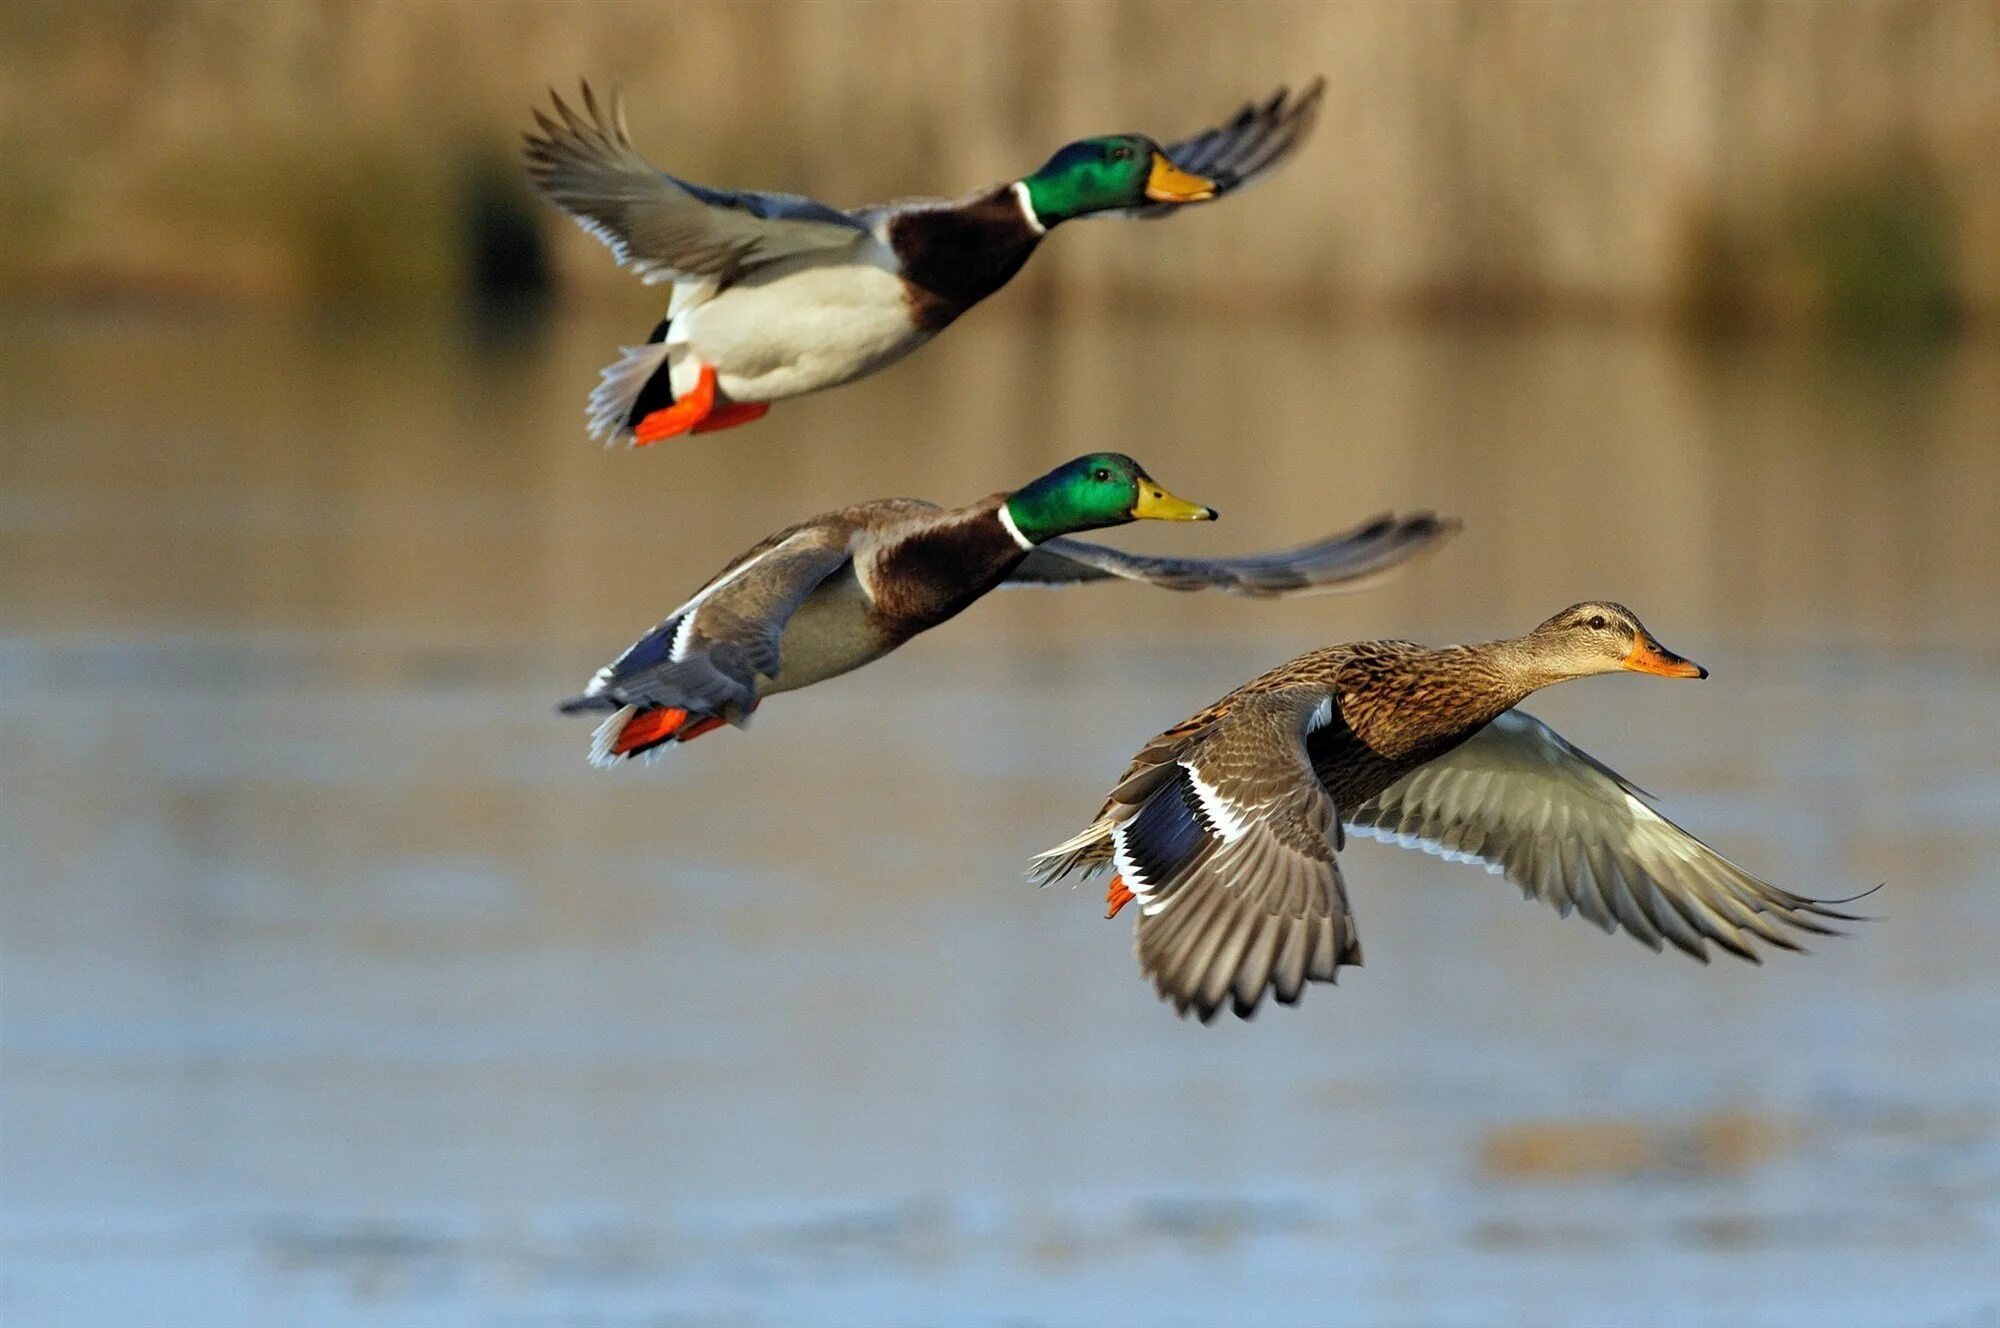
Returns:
(1224, 828)
(843, 589)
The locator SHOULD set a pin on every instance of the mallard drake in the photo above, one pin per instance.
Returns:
(828, 595)
(1224, 828)
(775, 295)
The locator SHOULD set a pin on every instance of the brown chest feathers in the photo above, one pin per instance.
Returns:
(953, 257)
(919, 580)
(1415, 702)
(1397, 706)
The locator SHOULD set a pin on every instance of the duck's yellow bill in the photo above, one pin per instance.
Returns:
(1156, 504)
(1649, 656)
(1168, 183)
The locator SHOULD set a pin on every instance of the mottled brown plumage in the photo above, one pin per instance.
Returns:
(1224, 827)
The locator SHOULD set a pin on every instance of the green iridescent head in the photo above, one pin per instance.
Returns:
(1102, 489)
(1101, 174)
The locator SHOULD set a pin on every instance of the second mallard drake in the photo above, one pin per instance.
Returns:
(775, 295)
(834, 593)
(1224, 827)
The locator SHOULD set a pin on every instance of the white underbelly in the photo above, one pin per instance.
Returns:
(826, 637)
(797, 328)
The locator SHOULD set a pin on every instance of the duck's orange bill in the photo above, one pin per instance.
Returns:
(1116, 897)
(1168, 183)
(1649, 656)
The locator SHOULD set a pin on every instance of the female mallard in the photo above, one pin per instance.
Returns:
(775, 295)
(1224, 827)
(841, 590)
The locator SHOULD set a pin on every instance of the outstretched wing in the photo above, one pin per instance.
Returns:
(659, 226)
(1231, 860)
(1347, 561)
(1244, 148)
(1521, 801)
(707, 656)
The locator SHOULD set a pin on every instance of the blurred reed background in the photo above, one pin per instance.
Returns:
(336, 991)
(1740, 161)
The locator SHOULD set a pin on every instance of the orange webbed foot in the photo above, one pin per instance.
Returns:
(1116, 896)
(650, 728)
(701, 726)
(647, 728)
(730, 415)
(683, 415)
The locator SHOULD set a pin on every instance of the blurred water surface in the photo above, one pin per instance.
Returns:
(338, 990)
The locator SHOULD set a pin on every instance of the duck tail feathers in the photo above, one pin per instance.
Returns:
(604, 742)
(614, 403)
(1087, 851)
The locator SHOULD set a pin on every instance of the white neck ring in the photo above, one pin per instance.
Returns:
(1007, 520)
(1028, 207)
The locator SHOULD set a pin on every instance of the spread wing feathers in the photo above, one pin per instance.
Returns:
(1090, 849)
(1343, 562)
(706, 657)
(659, 226)
(1521, 801)
(1226, 845)
(1247, 146)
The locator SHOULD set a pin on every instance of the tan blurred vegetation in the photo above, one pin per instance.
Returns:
(1735, 161)
(1721, 1143)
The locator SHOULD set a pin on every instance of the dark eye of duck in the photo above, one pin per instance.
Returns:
(1597, 622)
(1102, 475)
(1123, 152)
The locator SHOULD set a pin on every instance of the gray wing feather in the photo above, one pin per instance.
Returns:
(659, 226)
(1519, 800)
(1347, 561)
(1259, 904)
(740, 625)
(711, 664)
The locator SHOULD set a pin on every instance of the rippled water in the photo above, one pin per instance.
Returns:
(338, 990)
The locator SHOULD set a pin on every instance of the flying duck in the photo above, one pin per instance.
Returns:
(843, 589)
(775, 295)
(1225, 828)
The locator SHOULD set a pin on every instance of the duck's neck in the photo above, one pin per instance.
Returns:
(1508, 672)
(955, 255)
(1025, 538)
(1041, 511)
(1408, 702)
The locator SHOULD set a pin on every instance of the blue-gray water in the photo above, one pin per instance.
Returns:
(335, 989)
